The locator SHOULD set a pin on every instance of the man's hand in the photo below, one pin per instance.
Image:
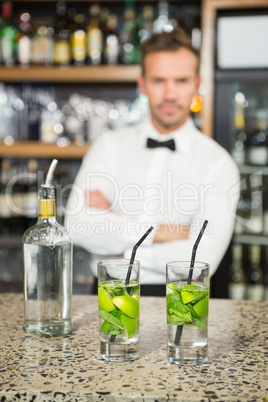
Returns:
(171, 233)
(95, 199)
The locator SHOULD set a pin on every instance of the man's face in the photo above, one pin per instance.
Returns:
(170, 82)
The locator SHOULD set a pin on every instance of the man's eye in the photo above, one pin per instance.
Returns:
(182, 81)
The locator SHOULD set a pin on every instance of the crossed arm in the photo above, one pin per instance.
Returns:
(164, 233)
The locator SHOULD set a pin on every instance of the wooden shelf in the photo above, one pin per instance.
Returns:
(85, 74)
(36, 149)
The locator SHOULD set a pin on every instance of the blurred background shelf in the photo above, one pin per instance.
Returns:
(37, 149)
(74, 74)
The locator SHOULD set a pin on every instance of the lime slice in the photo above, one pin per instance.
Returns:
(187, 297)
(186, 293)
(137, 297)
(130, 325)
(129, 305)
(201, 308)
(105, 303)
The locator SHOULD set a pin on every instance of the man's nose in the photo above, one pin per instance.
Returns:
(170, 91)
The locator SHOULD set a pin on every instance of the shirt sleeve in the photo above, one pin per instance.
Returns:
(219, 208)
(98, 231)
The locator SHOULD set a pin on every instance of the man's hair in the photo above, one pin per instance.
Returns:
(168, 42)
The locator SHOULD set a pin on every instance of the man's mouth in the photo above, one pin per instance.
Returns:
(169, 108)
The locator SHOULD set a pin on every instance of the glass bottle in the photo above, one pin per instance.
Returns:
(237, 283)
(7, 37)
(78, 41)
(62, 48)
(111, 41)
(196, 34)
(258, 147)
(24, 39)
(265, 206)
(94, 36)
(47, 249)
(239, 147)
(146, 23)
(129, 38)
(42, 46)
(264, 264)
(254, 288)
(163, 23)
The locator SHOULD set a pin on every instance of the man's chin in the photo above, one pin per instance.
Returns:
(170, 123)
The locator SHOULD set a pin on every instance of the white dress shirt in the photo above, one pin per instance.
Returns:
(147, 187)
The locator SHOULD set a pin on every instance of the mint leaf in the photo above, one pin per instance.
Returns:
(173, 319)
(177, 308)
(109, 329)
(111, 318)
(201, 323)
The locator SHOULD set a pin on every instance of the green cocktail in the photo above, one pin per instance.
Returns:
(119, 310)
(187, 304)
(187, 312)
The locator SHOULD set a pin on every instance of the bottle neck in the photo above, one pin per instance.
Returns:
(46, 208)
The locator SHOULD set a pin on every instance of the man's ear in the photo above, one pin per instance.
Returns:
(198, 83)
(141, 84)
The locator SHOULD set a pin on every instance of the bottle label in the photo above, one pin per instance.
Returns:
(79, 45)
(258, 155)
(239, 156)
(7, 51)
(265, 222)
(46, 208)
(61, 52)
(255, 292)
(237, 291)
(94, 40)
(24, 50)
(112, 49)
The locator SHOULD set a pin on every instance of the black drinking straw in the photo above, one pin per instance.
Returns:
(189, 280)
(132, 258)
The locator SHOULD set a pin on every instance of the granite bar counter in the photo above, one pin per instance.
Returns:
(69, 368)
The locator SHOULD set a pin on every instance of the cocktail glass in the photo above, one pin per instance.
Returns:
(119, 309)
(187, 312)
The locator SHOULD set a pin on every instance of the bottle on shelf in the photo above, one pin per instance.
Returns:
(5, 210)
(258, 141)
(254, 288)
(163, 23)
(265, 206)
(250, 205)
(78, 41)
(8, 32)
(146, 23)
(196, 34)
(42, 46)
(239, 148)
(62, 49)
(237, 282)
(256, 189)
(94, 36)
(111, 41)
(243, 213)
(264, 264)
(47, 249)
(24, 39)
(31, 199)
(129, 38)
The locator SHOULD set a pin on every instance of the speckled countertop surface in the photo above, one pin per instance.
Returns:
(69, 369)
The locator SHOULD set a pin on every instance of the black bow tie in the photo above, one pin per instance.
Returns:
(170, 144)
